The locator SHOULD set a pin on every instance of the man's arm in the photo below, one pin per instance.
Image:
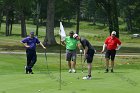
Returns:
(25, 44)
(80, 47)
(85, 51)
(104, 46)
(118, 45)
(42, 45)
(63, 43)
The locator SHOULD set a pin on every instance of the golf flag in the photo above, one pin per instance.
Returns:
(62, 32)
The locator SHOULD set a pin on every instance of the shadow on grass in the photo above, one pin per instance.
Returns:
(3, 33)
(120, 72)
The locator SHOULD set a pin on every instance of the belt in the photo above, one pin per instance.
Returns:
(111, 49)
(70, 50)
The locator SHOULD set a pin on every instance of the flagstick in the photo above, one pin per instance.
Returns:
(62, 36)
(60, 64)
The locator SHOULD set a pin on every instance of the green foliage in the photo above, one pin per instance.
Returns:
(129, 10)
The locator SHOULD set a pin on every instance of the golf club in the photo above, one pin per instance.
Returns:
(102, 65)
(47, 62)
(82, 63)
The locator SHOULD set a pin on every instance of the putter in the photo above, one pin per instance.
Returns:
(46, 62)
(101, 62)
(82, 64)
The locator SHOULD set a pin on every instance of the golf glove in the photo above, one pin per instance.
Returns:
(94, 51)
(81, 50)
(118, 47)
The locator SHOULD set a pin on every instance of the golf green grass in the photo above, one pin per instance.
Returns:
(125, 79)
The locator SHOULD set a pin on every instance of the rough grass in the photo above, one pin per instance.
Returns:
(96, 34)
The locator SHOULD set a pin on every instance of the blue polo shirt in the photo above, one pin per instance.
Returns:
(31, 42)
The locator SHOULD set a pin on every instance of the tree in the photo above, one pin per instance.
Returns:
(8, 10)
(38, 5)
(111, 9)
(49, 38)
(78, 3)
(1, 11)
(23, 8)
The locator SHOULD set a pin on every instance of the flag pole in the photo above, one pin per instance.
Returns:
(62, 38)
(60, 64)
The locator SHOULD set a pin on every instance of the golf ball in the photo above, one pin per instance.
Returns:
(38, 90)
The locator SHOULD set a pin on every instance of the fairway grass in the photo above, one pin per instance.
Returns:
(125, 79)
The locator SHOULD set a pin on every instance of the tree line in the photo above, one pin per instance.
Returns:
(50, 12)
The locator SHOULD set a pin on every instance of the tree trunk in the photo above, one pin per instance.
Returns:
(37, 17)
(78, 16)
(94, 19)
(23, 26)
(49, 38)
(11, 26)
(115, 18)
(109, 16)
(7, 25)
(110, 23)
(112, 14)
(0, 19)
(129, 21)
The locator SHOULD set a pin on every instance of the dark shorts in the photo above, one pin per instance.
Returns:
(110, 54)
(71, 55)
(90, 55)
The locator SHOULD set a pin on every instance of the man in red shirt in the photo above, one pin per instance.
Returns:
(112, 44)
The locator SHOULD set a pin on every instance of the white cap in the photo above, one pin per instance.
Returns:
(113, 32)
(75, 35)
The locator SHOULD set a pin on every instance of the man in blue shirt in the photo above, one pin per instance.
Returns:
(30, 45)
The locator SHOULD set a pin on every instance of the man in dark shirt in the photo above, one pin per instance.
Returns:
(30, 45)
(88, 53)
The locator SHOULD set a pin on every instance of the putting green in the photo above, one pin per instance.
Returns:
(126, 78)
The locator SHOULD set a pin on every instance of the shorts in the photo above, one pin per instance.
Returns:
(90, 55)
(110, 54)
(71, 55)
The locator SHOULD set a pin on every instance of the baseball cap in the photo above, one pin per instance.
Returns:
(32, 33)
(113, 33)
(71, 32)
(75, 35)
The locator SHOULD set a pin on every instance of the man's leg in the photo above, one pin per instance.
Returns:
(68, 59)
(73, 63)
(113, 53)
(107, 57)
(112, 65)
(33, 61)
(28, 55)
(107, 65)
(69, 65)
(89, 66)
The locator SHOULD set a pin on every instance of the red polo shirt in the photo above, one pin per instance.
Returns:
(112, 43)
